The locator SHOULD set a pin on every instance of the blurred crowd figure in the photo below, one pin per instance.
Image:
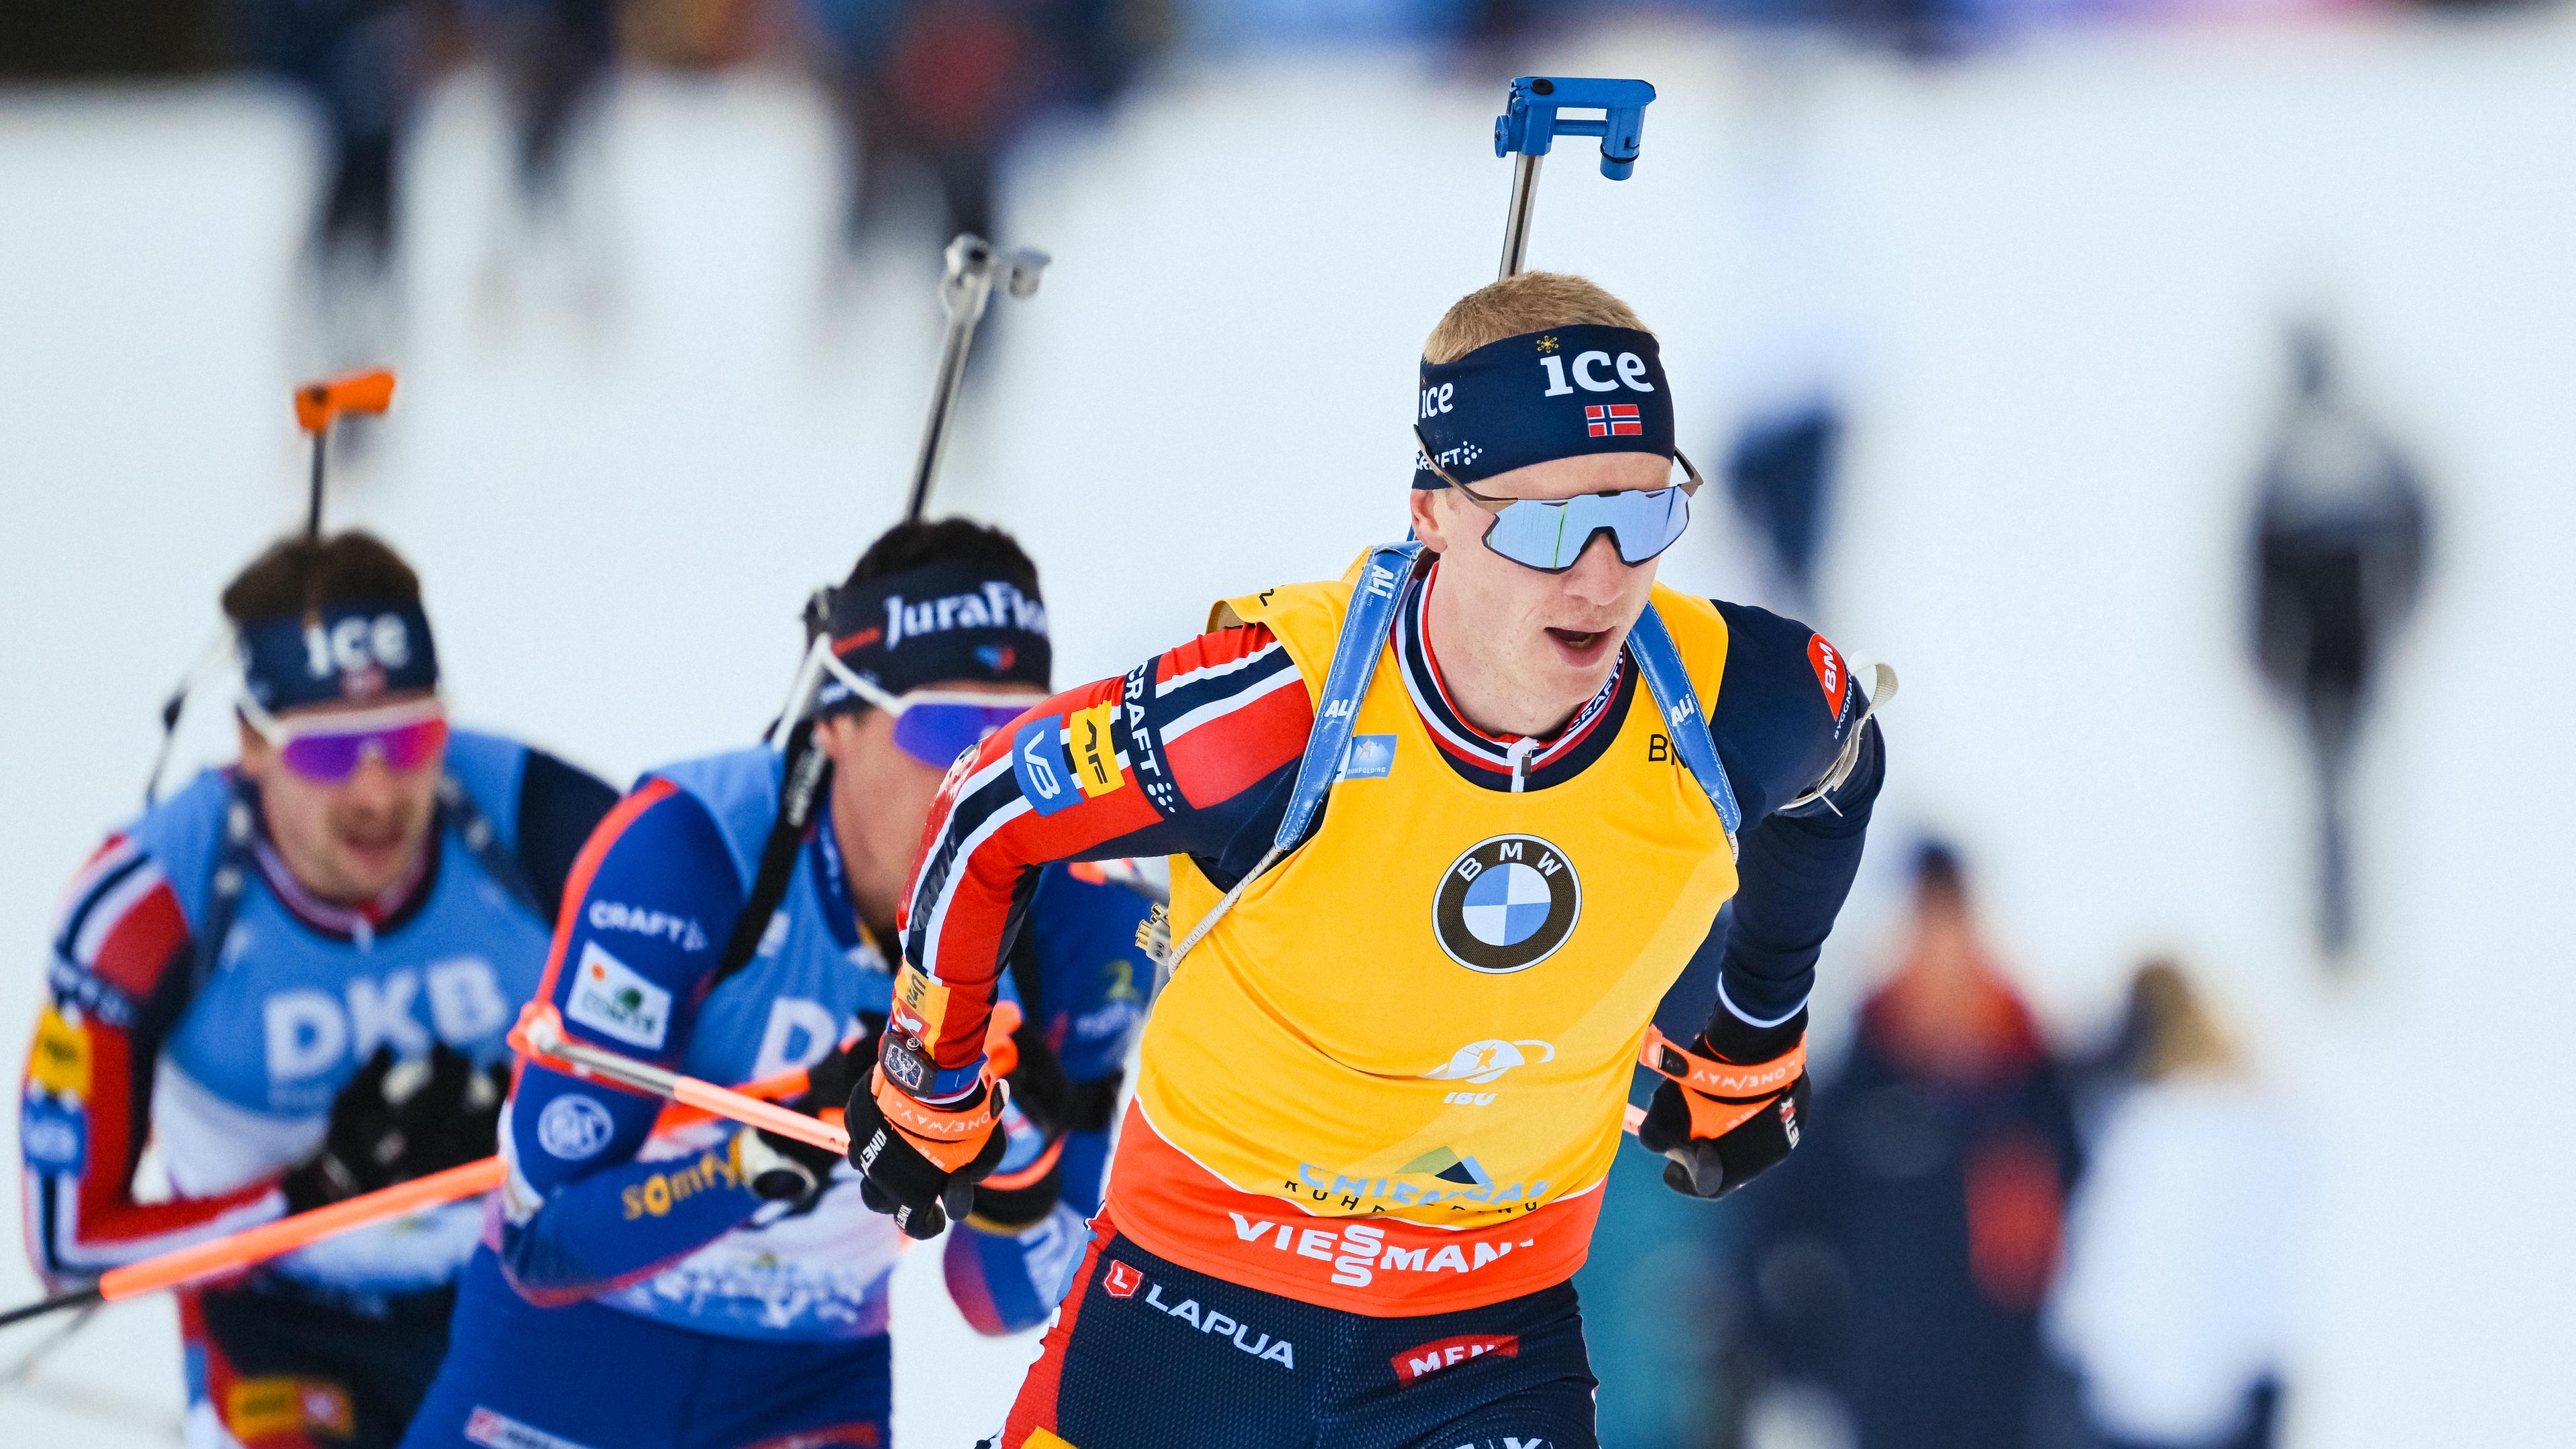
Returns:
(2338, 552)
(1985, 1243)
(936, 90)
(931, 94)
(1899, 1260)
(2171, 1306)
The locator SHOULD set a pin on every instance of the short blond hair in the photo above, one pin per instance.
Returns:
(1525, 302)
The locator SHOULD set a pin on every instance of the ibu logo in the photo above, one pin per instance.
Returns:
(1506, 904)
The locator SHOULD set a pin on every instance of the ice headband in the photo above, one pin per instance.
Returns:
(349, 649)
(939, 622)
(1539, 397)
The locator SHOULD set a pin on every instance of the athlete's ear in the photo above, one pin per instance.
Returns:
(838, 736)
(1427, 515)
(255, 752)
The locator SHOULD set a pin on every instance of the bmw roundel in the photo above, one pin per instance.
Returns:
(1506, 905)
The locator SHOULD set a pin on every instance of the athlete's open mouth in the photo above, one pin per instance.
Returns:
(1578, 642)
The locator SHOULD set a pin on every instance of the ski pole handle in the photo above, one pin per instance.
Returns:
(1533, 118)
(973, 267)
(320, 404)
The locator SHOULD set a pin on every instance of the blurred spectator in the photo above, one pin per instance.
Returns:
(552, 56)
(2172, 1303)
(359, 63)
(938, 89)
(108, 39)
(2339, 539)
(1900, 1257)
(553, 59)
(1780, 476)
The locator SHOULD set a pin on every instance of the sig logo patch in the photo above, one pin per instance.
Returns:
(1506, 905)
(574, 1127)
(1045, 782)
(615, 999)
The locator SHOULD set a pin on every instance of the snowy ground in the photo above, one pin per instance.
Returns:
(2051, 282)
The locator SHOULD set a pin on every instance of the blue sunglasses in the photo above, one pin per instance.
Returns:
(1550, 534)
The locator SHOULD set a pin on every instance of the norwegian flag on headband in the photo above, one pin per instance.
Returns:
(1613, 420)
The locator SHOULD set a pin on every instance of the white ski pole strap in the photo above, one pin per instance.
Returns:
(1882, 689)
(1660, 661)
(1346, 680)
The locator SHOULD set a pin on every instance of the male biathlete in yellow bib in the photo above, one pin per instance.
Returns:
(1379, 1098)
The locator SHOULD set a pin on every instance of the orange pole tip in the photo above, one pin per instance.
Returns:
(318, 404)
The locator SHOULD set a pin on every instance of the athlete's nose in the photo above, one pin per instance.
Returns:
(1598, 577)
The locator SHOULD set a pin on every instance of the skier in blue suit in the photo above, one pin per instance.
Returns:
(654, 1285)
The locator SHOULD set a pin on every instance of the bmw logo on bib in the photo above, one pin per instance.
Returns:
(1506, 905)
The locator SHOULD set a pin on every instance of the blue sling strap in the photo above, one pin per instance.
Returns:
(1346, 681)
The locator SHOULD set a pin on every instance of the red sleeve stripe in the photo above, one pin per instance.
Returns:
(949, 890)
(1253, 692)
(603, 837)
(1254, 644)
(105, 910)
(1259, 734)
(140, 940)
(116, 852)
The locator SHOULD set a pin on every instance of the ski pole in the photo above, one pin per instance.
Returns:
(268, 1240)
(183, 1266)
(539, 1036)
(320, 404)
(317, 406)
(973, 267)
(1532, 120)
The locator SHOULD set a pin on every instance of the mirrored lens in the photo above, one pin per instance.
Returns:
(1552, 535)
(937, 734)
(329, 757)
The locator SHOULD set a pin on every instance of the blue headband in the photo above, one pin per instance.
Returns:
(1542, 396)
(934, 624)
(349, 649)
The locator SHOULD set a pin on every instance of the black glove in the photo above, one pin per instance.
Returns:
(397, 1120)
(784, 1169)
(1729, 1110)
(919, 1164)
(1012, 1202)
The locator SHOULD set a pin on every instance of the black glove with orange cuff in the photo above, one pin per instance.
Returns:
(1728, 1110)
(919, 1160)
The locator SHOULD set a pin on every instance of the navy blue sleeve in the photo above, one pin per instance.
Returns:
(559, 806)
(1785, 711)
(656, 894)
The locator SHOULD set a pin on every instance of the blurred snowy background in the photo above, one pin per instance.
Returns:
(2039, 275)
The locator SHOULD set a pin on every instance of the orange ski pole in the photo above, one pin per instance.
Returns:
(268, 1240)
(539, 1036)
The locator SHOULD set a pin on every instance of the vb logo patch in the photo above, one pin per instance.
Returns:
(1506, 905)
